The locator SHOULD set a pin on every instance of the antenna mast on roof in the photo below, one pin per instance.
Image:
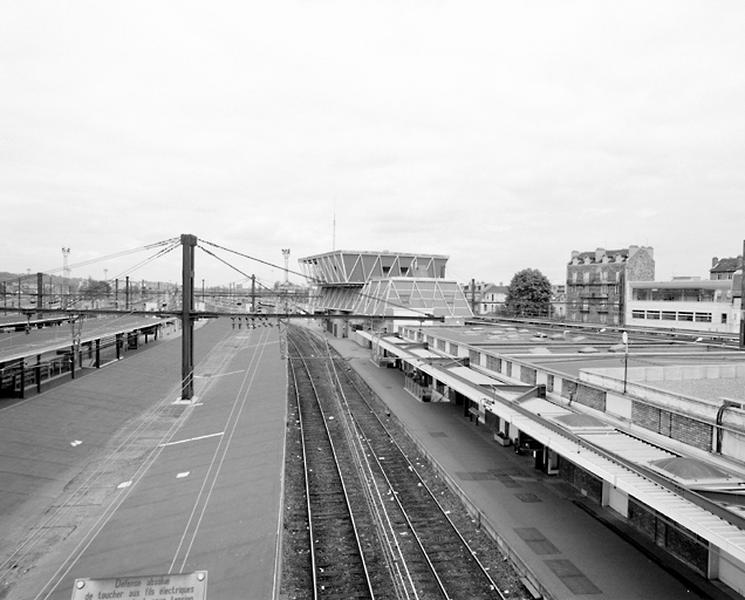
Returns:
(333, 228)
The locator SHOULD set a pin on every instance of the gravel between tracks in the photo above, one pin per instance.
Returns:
(295, 554)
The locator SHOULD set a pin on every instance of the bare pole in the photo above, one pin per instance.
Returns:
(188, 243)
(253, 293)
(473, 296)
(40, 290)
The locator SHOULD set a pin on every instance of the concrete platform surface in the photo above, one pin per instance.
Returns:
(156, 485)
(571, 552)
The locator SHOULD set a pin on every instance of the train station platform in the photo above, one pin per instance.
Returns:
(566, 545)
(114, 475)
(31, 361)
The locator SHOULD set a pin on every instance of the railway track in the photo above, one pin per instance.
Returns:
(335, 558)
(409, 545)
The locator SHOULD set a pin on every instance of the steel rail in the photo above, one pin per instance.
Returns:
(441, 511)
(413, 469)
(401, 576)
(306, 484)
(344, 490)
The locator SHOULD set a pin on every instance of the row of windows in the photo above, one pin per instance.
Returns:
(584, 317)
(603, 276)
(493, 363)
(672, 315)
(603, 289)
(680, 295)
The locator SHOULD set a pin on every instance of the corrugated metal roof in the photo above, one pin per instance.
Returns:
(726, 536)
(544, 408)
(627, 447)
(580, 422)
(473, 376)
(423, 353)
(396, 340)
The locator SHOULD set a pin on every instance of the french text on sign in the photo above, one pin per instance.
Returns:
(187, 586)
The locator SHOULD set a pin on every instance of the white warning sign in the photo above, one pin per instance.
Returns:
(181, 586)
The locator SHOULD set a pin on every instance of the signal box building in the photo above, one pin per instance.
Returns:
(382, 284)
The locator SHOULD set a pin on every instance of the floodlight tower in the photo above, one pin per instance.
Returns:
(65, 287)
(286, 255)
(65, 265)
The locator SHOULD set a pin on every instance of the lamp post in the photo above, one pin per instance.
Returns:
(625, 340)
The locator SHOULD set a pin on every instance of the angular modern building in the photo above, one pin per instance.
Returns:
(382, 284)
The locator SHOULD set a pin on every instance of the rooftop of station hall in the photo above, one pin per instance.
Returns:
(706, 372)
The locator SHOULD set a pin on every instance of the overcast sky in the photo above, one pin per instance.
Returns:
(503, 134)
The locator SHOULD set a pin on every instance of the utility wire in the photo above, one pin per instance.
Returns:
(223, 261)
(315, 280)
(150, 259)
(95, 260)
(231, 266)
(160, 253)
(264, 262)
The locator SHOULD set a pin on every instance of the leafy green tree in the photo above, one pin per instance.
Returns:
(529, 294)
(95, 289)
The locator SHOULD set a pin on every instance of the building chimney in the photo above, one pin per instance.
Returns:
(714, 262)
(599, 253)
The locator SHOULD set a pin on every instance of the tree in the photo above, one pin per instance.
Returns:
(529, 294)
(95, 289)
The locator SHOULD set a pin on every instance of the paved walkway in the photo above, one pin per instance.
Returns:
(171, 487)
(572, 548)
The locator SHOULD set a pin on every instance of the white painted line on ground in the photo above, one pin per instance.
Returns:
(218, 375)
(194, 439)
(124, 484)
(183, 474)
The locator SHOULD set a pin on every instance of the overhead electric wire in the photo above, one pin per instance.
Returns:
(231, 266)
(95, 260)
(132, 269)
(151, 258)
(316, 280)
(263, 262)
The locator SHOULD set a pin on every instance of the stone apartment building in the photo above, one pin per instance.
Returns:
(724, 268)
(485, 298)
(596, 282)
